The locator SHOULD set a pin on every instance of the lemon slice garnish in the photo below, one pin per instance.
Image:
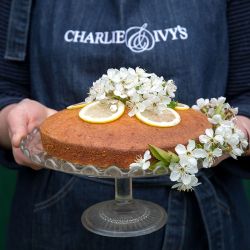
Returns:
(77, 105)
(181, 106)
(167, 118)
(101, 112)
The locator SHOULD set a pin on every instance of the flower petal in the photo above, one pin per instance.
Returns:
(186, 179)
(237, 151)
(199, 153)
(146, 165)
(191, 169)
(147, 155)
(206, 163)
(219, 138)
(191, 145)
(180, 149)
(192, 161)
(217, 152)
(209, 132)
(204, 138)
(174, 176)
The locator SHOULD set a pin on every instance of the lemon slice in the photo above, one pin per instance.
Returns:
(101, 112)
(77, 105)
(181, 106)
(167, 118)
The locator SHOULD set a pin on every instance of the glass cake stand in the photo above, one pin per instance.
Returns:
(121, 217)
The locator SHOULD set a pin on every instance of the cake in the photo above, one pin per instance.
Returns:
(65, 136)
(130, 120)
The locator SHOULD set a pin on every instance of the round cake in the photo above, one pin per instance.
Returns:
(65, 136)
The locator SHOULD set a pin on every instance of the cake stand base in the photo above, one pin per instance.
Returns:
(137, 217)
(124, 216)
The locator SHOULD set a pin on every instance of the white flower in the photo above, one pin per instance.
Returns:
(216, 102)
(210, 138)
(141, 72)
(182, 171)
(187, 187)
(210, 157)
(224, 130)
(123, 73)
(234, 111)
(233, 140)
(201, 103)
(98, 90)
(216, 119)
(242, 137)
(236, 152)
(190, 154)
(119, 90)
(170, 88)
(143, 163)
(114, 75)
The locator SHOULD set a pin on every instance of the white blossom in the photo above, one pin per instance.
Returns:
(235, 152)
(190, 154)
(142, 162)
(210, 138)
(216, 119)
(187, 187)
(216, 102)
(210, 157)
(181, 171)
(201, 103)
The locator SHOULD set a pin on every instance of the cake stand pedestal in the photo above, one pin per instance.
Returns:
(124, 216)
(121, 217)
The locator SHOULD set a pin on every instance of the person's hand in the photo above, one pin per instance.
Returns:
(21, 120)
(220, 159)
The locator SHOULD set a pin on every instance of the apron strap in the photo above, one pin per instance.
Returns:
(18, 29)
(211, 215)
(175, 228)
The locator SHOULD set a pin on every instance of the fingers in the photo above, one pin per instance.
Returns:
(22, 160)
(220, 159)
(24, 118)
(21, 120)
(17, 126)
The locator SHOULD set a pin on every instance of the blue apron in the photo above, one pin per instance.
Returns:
(69, 45)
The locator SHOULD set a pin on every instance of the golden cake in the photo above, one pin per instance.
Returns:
(65, 136)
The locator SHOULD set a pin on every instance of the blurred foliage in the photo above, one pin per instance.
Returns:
(7, 187)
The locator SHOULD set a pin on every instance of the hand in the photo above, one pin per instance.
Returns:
(21, 120)
(220, 159)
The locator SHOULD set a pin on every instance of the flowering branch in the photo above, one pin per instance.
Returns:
(223, 138)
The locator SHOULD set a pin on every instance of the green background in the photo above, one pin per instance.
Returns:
(7, 186)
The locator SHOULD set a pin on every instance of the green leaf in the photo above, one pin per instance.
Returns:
(162, 155)
(157, 164)
(174, 157)
(172, 104)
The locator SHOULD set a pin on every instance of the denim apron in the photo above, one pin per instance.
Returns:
(70, 44)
